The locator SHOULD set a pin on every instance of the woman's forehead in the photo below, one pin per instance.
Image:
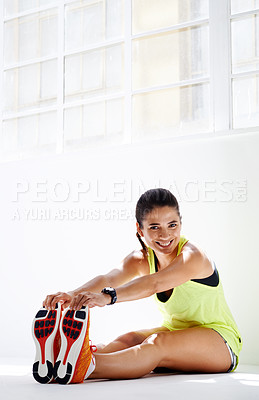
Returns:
(162, 214)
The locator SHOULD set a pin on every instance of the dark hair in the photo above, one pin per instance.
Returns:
(148, 201)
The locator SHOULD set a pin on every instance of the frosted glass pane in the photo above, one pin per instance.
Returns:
(114, 67)
(48, 35)
(11, 46)
(27, 131)
(9, 140)
(84, 24)
(30, 86)
(30, 37)
(94, 72)
(246, 102)
(30, 133)
(12, 7)
(73, 123)
(73, 68)
(94, 120)
(171, 57)
(153, 14)
(10, 92)
(171, 112)
(48, 80)
(243, 5)
(114, 117)
(47, 128)
(114, 18)
(245, 44)
(92, 78)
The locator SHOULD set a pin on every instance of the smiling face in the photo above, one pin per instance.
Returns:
(161, 229)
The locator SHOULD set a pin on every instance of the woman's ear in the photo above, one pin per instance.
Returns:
(138, 229)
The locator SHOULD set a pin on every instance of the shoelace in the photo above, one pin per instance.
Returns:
(93, 349)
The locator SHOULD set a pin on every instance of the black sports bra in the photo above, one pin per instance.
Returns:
(212, 280)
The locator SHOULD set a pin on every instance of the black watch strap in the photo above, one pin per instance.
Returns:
(112, 292)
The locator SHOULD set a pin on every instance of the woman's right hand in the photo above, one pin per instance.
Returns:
(61, 297)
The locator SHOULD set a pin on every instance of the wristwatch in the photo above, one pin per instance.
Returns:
(112, 292)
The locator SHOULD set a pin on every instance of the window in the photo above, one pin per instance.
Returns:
(245, 62)
(77, 73)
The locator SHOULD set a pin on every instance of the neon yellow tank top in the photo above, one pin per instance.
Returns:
(194, 304)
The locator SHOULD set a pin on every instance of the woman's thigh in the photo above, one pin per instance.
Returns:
(194, 349)
(130, 339)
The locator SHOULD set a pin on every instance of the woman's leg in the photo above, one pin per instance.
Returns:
(192, 350)
(129, 339)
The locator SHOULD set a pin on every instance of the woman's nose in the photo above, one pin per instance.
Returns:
(164, 234)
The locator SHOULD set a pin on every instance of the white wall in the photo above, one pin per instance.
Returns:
(40, 256)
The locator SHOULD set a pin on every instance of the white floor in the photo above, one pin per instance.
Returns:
(16, 382)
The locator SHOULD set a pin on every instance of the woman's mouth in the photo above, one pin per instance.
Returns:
(164, 245)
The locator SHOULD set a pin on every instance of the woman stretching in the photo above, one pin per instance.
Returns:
(198, 333)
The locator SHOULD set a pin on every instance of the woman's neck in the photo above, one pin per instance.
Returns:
(165, 259)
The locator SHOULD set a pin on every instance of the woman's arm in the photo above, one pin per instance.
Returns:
(135, 264)
(188, 265)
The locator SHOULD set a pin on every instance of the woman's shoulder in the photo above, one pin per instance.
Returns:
(198, 256)
(138, 259)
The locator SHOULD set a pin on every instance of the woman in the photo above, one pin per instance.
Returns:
(198, 333)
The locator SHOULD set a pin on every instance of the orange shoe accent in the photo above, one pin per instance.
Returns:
(75, 354)
(84, 358)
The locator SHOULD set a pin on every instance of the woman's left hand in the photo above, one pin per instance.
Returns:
(90, 300)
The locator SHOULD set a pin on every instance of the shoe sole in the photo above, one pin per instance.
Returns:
(44, 329)
(73, 328)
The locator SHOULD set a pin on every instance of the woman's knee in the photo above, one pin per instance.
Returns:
(158, 339)
(130, 339)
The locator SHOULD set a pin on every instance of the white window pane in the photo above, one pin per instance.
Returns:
(114, 117)
(92, 78)
(73, 74)
(94, 120)
(12, 7)
(171, 57)
(114, 18)
(10, 92)
(10, 43)
(171, 112)
(73, 123)
(48, 34)
(47, 128)
(154, 14)
(30, 37)
(246, 102)
(245, 44)
(93, 73)
(84, 24)
(48, 81)
(10, 139)
(114, 68)
(28, 132)
(30, 86)
(243, 5)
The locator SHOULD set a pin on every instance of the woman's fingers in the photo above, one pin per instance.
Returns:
(78, 301)
(88, 299)
(51, 300)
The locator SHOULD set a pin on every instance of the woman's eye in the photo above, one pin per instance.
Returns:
(172, 225)
(153, 228)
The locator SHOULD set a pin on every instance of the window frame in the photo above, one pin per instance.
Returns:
(220, 76)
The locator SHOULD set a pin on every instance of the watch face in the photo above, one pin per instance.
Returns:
(112, 292)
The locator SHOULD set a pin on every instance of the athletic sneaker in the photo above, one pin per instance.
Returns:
(75, 360)
(46, 337)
